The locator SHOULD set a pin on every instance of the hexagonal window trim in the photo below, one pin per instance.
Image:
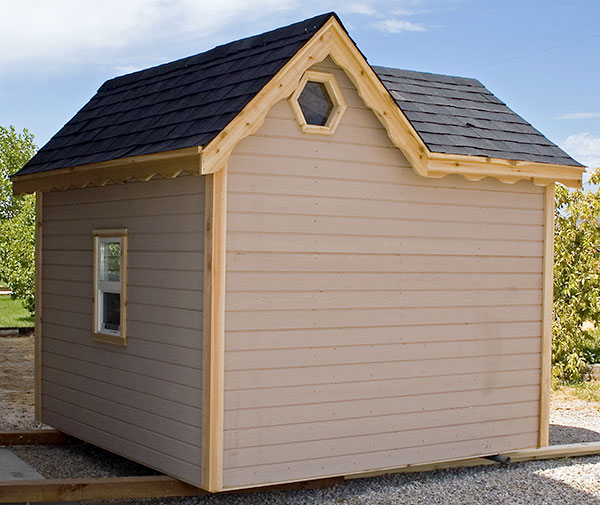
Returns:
(318, 103)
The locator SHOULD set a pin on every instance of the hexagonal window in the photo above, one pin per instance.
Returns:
(315, 103)
(318, 103)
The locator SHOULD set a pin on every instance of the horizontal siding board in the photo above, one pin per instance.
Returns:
(306, 375)
(363, 299)
(392, 458)
(143, 401)
(120, 445)
(186, 438)
(187, 223)
(325, 430)
(333, 318)
(304, 186)
(168, 242)
(342, 355)
(168, 351)
(189, 299)
(66, 273)
(178, 374)
(374, 226)
(344, 170)
(288, 339)
(374, 407)
(169, 316)
(185, 452)
(172, 391)
(315, 243)
(380, 442)
(153, 206)
(165, 278)
(258, 261)
(332, 392)
(239, 282)
(308, 205)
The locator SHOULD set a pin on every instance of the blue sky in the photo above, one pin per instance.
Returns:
(540, 57)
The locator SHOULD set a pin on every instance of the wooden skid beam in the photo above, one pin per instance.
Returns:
(537, 453)
(35, 437)
(123, 488)
(161, 486)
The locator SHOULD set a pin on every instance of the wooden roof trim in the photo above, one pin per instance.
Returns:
(168, 164)
(477, 167)
(332, 40)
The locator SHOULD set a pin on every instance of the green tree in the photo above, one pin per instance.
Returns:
(17, 218)
(576, 280)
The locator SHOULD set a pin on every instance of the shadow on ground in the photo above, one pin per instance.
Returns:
(560, 434)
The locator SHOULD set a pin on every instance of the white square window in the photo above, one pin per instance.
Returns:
(110, 289)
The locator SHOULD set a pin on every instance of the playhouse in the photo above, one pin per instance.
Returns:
(273, 262)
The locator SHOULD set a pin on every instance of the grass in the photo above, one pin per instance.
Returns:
(588, 391)
(13, 314)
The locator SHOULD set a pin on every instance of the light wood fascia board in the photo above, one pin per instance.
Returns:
(333, 41)
(252, 116)
(547, 304)
(167, 164)
(213, 349)
(508, 171)
(39, 206)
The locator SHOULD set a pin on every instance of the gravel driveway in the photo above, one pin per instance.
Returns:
(556, 482)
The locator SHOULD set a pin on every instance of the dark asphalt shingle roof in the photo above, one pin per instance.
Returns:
(188, 102)
(458, 115)
(180, 104)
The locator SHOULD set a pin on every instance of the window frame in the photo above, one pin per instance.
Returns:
(99, 287)
(335, 94)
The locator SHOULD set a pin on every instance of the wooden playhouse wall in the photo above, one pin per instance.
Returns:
(144, 400)
(374, 318)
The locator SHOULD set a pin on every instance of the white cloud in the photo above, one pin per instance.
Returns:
(43, 32)
(398, 26)
(580, 115)
(584, 147)
(364, 8)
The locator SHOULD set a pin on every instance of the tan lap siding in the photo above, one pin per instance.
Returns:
(374, 318)
(142, 400)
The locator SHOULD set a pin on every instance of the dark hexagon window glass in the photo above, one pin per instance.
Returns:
(315, 103)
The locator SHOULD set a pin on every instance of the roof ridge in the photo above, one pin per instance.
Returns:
(244, 43)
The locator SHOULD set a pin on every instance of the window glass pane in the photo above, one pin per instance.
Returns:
(111, 311)
(315, 103)
(110, 261)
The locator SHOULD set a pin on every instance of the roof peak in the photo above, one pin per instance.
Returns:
(222, 50)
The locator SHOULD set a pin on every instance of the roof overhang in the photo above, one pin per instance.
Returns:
(167, 164)
(330, 41)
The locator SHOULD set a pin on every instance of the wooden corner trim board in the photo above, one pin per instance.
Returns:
(213, 331)
(167, 164)
(37, 358)
(547, 302)
(332, 40)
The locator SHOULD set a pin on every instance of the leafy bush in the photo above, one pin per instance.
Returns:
(576, 281)
(17, 218)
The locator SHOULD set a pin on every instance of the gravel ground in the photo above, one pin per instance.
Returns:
(574, 481)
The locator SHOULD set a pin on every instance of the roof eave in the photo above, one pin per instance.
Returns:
(509, 171)
(168, 164)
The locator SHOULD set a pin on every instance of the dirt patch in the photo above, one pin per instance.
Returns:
(16, 384)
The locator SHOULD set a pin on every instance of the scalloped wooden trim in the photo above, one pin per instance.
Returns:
(167, 164)
(332, 40)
